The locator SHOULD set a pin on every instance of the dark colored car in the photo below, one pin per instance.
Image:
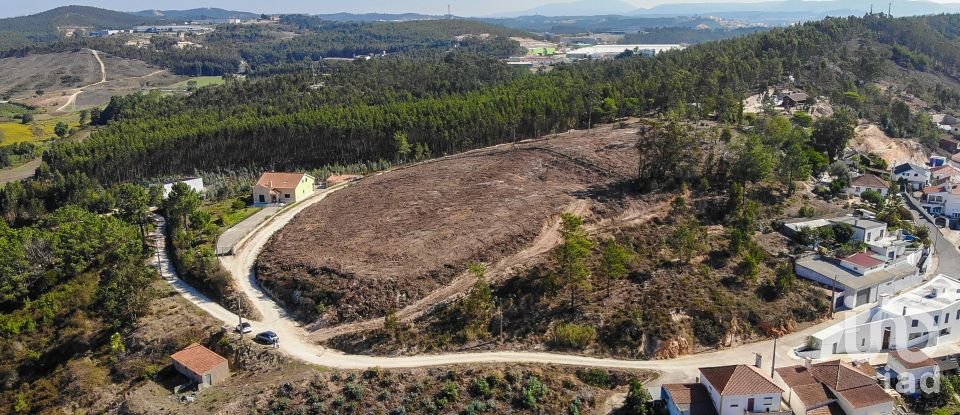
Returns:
(267, 337)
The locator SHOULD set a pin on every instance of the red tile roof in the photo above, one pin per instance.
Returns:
(688, 393)
(739, 380)
(863, 259)
(869, 180)
(946, 169)
(813, 395)
(860, 389)
(198, 359)
(832, 409)
(912, 358)
(272, 180)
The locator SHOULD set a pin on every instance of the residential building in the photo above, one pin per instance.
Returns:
(945, 174)
(798, 100)
(833, 387)
(866, 182)
(860, 279)
(611, 51)
(864, 230)
(950, 144)
(195, 183)
(687, 399)
(942, 200)
(201, 365)
(916, 177)
(921, 317)
(274, 188)
(736, 389)
(908, 368)
(937, 161)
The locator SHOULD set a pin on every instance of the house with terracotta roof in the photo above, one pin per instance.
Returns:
(910, 368)
(942, 200)
(833, 387)
(687, 399)
(944, 174)
(732, 390)
(201, 365)
(282, 188)
(866, 182)
(921, 317)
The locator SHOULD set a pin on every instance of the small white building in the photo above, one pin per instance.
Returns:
(921, 317)
(866, 182)
(195, 183)
(909, 368)
(916, 176)
(942, 200)
(737, 389)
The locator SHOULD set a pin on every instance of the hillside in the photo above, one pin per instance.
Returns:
(202, 13)
(51, 24)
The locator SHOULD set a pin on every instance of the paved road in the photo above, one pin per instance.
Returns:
(947, 253)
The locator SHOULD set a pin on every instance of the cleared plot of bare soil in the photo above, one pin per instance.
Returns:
(21, 77)
(391, 239)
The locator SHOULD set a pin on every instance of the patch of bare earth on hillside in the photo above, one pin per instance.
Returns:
(392, 239)
(870, 138)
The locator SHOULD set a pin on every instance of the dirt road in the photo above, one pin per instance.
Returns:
(20, 172)
(103, 79)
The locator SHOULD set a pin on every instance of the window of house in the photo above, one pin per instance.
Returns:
(936, 320)
(286, 195)
(914, 336)
(734, 405)
(915, 323)
(945, 331)
(946, 318)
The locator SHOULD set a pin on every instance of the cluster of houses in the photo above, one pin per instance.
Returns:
(891, 262)
(825, 388)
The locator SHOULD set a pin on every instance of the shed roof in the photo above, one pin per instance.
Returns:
(905, 167)
(912, 358)
(739, 380)
(198, 359)
(863, 259)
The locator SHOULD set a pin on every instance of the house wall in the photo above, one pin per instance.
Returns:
(867, 337)
(858, 190)
(195, 184)
(189, 374)
(918, 374)
(917, 180)
(672, 407)
(880, 409)
(301, 191)
(737, 404)
(219, 373)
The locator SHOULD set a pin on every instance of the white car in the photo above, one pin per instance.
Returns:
(244, 328)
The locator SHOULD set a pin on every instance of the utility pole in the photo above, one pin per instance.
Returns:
(500, 312)
(240, 315)
(833, 296)
(889, 9)
(773, 360)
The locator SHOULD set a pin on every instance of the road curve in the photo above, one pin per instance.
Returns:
(103, 79)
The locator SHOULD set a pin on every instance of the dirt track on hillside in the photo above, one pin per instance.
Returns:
(391, 240)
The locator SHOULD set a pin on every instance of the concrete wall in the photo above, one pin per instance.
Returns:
(672, 407)
(217, 375)
(868, 337)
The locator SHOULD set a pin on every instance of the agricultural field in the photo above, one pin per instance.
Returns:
(197, 82)
(41, 129)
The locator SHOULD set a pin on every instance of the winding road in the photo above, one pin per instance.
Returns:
(298, 342)
(103, 79)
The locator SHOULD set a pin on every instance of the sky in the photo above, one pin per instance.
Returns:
(460, 8)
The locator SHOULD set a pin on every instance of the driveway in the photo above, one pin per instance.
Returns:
(231, 237)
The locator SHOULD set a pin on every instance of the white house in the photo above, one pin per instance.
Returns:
(910, 368)
(866, 182)
(687, 399)
(195, 183)
(946, 173)
(735, 389)
(916, 176)
(921, 317)
(862, 278)
(823, 388)
(942, 200)
(864, 230)
(276, 188)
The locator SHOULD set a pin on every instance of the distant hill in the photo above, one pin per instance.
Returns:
(835, 7)
(576, 8)
(197, 14)
(377, 17)
(43, 27)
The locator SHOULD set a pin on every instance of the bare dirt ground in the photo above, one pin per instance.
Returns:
(871, 138)
(20, 172)
(22, 77)
(391, 240)
(62, 75)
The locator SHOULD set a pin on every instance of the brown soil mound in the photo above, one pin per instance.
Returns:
(391, 239)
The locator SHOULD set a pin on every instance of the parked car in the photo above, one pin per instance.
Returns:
(267, 337)
(244, 328)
